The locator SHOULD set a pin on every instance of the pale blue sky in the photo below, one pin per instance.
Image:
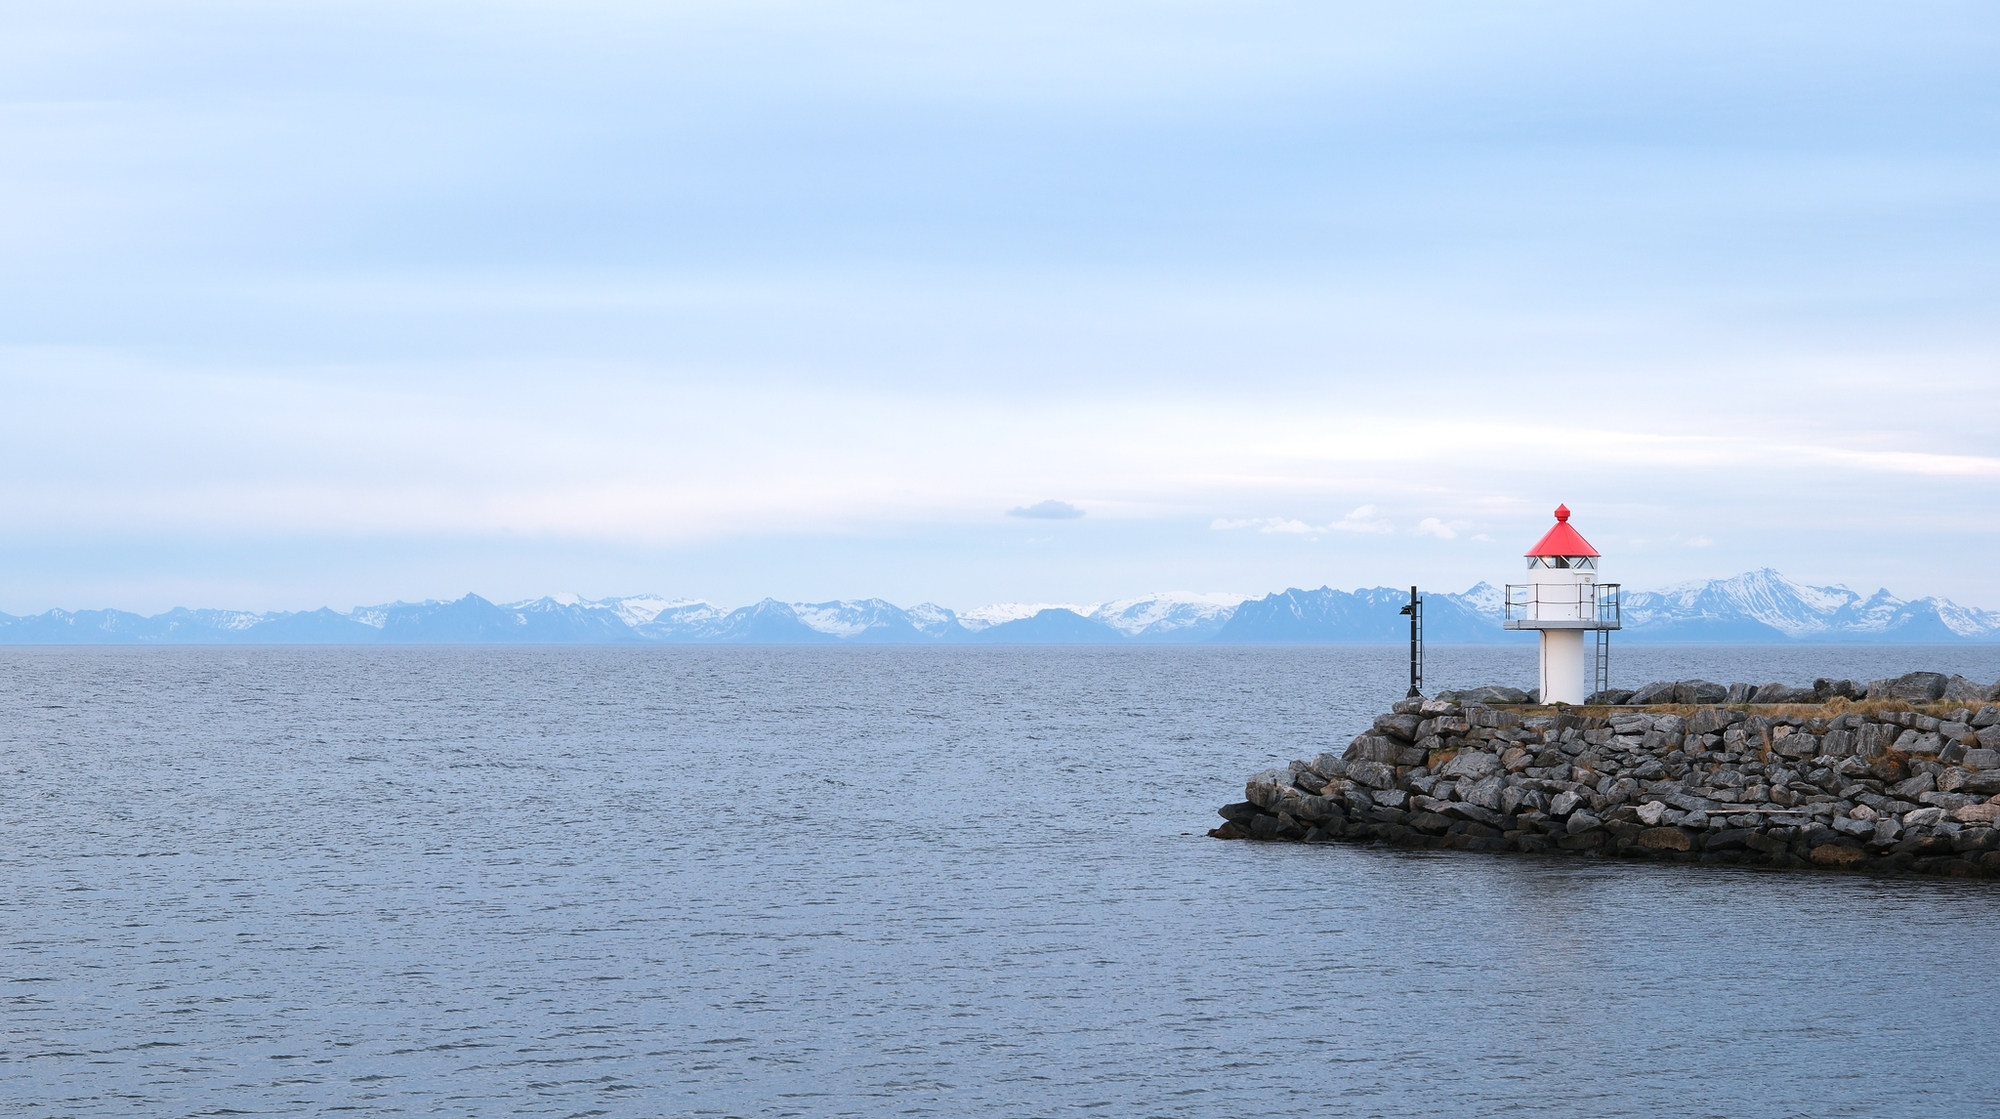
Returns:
(335, 303)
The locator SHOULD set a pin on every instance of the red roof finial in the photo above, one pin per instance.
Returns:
(1562, 539)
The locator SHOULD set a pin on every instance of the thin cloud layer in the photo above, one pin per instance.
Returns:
(1047, 511)
(1364, 519)
(311, 303)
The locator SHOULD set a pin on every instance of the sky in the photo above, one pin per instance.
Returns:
(335, 303)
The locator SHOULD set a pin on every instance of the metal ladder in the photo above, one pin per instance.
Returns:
(1602, 672)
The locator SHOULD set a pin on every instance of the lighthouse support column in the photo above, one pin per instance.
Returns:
(1562, 666)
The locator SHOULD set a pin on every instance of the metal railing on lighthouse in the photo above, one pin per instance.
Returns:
(1563, 606)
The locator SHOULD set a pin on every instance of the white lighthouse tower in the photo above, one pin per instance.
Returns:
(1563, 599)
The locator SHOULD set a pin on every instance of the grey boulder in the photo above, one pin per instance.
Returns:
(1911, 687)
(1471, 765)
(1659, 691)
(1700, 691)
(1963, 690)
(1824, 690)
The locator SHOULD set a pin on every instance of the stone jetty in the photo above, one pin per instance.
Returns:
(1893, 776)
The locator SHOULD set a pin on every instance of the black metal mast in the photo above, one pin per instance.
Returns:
(1416, 612)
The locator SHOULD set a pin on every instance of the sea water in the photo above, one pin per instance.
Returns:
(890, 881)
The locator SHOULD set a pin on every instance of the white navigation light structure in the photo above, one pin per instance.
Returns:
(1562, 599)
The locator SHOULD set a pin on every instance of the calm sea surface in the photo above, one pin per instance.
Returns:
(889, 882)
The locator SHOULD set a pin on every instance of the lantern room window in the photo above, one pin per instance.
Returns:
(1564, 563)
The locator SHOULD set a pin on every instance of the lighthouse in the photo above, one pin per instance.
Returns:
(1563, 599)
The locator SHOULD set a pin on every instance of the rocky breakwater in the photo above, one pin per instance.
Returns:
(1886, 786)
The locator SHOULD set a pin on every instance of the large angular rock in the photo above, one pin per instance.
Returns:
(1914, 787)
(1465, 810)
(1580, 822)
(1700, 691)
(1471, 765)
(1836, 855)
(1306, 807)
(1631, 724)
(1397, 726)
(1728, 839)
(1768, 844)
(1484, 793)
(1666, 839)
(1265, 794)
(1911, 687)
(1307, 778)
(1741, 693)
(1710, 720)
(1375, 775)
(1659, 691)
(1982, 814)
(1825, 690)
(1797, 744)
(1986, 757)
(1848, 825)
(1872, 740)
(1609, 697)
(1962, 690)
(1430, 823)
(1382, 748)
(1923, 744)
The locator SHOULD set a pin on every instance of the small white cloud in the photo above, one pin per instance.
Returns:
(1362, 519)
(1699, 542)
(1047, 511)
(1431, 526)
(1483, 538)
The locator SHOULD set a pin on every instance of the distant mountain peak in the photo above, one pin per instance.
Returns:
(1759, 605)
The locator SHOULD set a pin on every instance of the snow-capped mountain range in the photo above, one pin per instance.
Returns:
(1757, 606)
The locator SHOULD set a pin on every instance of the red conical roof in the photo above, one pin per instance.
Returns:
(1562, 540)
